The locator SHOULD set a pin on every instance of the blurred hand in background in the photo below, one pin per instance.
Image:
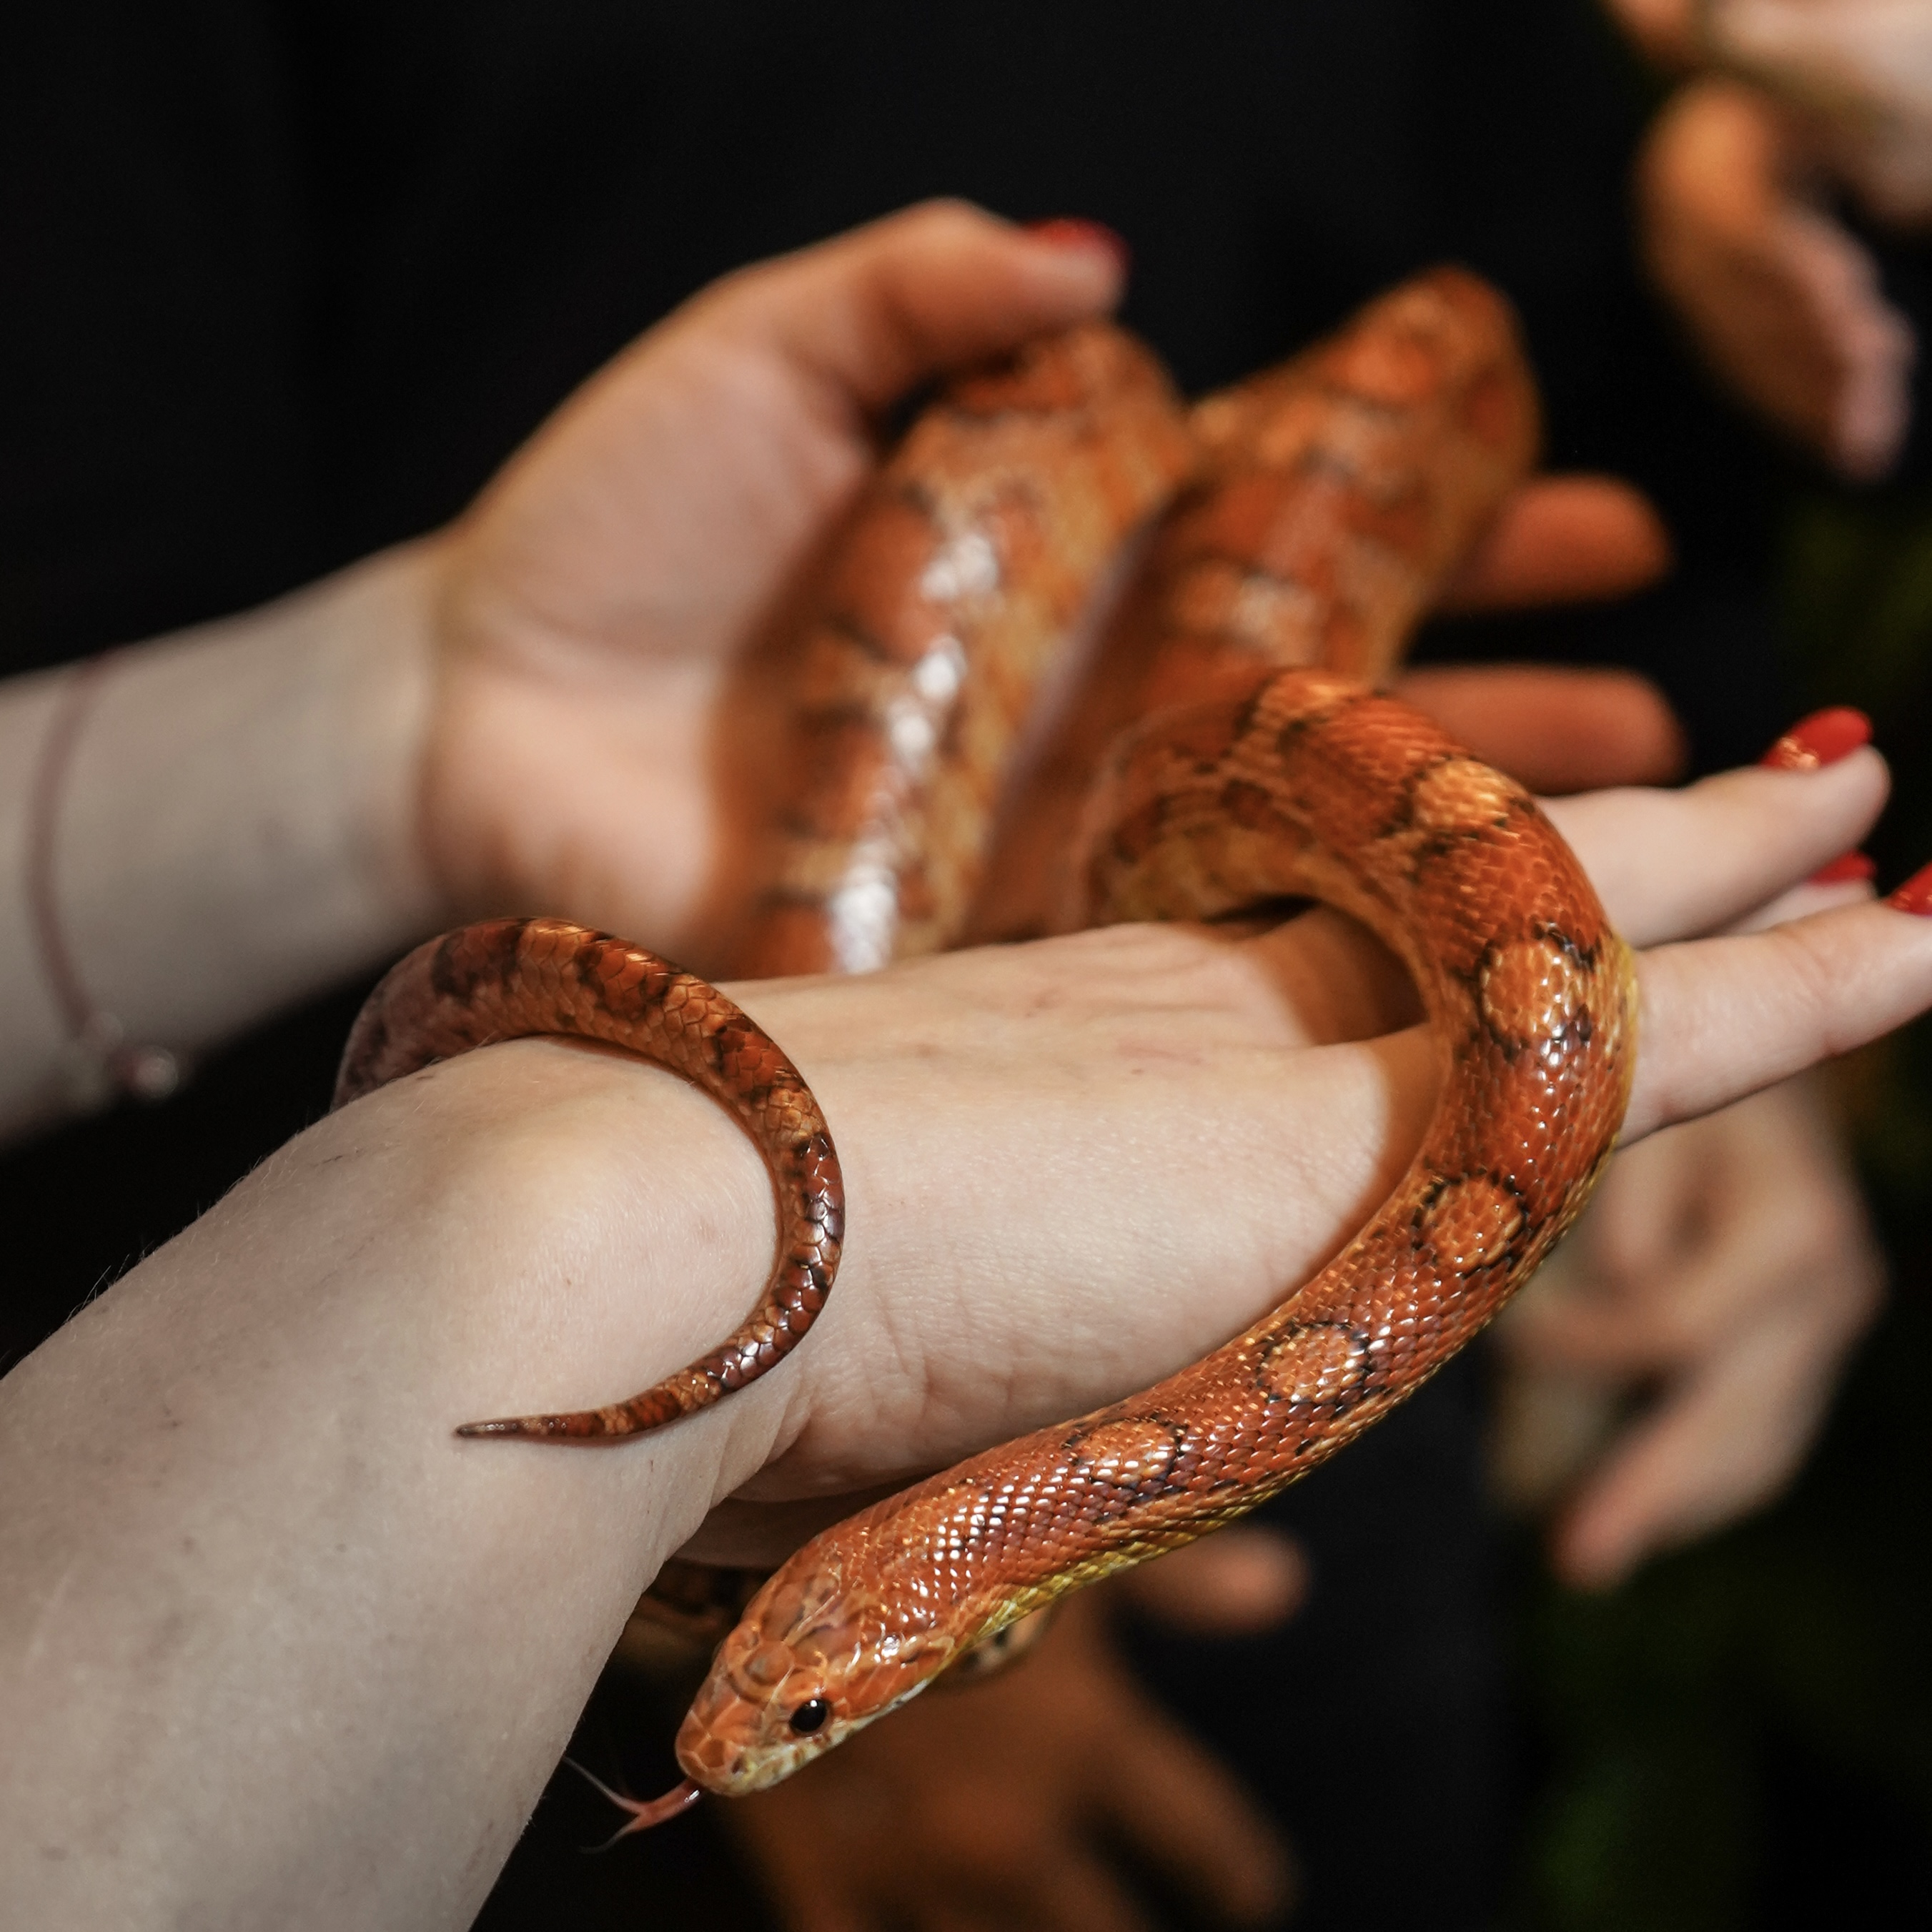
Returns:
(1053, 1796)
(1669, 1371)
(1793, 101)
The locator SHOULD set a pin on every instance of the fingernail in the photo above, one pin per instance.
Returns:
(1853, 865)
(1822, 738)
(1071, 231)
(1915, 894)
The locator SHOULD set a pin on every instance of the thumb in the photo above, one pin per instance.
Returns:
(873, 312)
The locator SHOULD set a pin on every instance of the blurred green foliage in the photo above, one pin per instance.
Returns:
(1741, 1738)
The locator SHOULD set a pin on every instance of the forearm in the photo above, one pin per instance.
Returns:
(274, 1648)
(234, 826)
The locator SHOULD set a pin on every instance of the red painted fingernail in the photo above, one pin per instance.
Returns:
(1071, 231)
(1843, 871)
(1915, 894)
(1822, 738)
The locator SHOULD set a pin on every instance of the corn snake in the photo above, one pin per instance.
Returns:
(1309, 516)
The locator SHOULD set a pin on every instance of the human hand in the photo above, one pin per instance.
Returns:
(1025, 1128)
(604, 594)
(1241, 1581)
(1782, 301)
(1071, 1168)
(1006, 1805)
(1854, 75)
(1560, 539)
(1857, 77)
(1665, 30)
(1726, 1267)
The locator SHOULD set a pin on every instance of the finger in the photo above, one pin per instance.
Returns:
(987, 1836)
(1643, 1213)
(1685, 1316)
(1723, 1017)
(1670, 864)
(1184, 1810)
(1237, 1583)
(1552, 729)
(877, 311)
(1774, 1217)
(927, 1909)
(810, 1907)
(1665, 864)
(1722, 1443)
(1649, 1221)
(1809, 896)
(1669, 31)
(1564, 540)
(1078, 1893)
(1783, 302)
(794, 1842)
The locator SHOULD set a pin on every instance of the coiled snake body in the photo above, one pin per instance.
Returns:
(1327, 502)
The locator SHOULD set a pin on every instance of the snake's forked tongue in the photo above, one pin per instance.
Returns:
(680, 1798)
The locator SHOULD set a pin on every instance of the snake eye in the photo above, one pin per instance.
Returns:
(811, 1716)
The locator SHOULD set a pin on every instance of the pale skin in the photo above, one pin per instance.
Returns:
(1781, 301)
(276, 1648)
(1728, 1270)
(564, 701)
(1779, 297)
(324, 1691)
(1852, 80)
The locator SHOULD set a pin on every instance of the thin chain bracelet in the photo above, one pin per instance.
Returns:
(99, 1063)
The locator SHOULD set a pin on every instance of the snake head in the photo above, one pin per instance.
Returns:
(809, 1664)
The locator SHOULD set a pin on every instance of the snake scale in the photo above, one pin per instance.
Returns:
(1306, 520)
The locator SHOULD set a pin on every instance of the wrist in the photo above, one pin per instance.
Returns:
(282, 1478)
(637, 1220)
(246, 793)
(230, 826)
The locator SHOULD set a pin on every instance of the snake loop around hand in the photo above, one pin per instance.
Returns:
(1310, 516)
(508, 978)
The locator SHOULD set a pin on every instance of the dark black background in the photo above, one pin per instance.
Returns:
(287, 283)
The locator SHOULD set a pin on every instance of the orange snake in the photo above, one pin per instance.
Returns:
(1327, 502)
